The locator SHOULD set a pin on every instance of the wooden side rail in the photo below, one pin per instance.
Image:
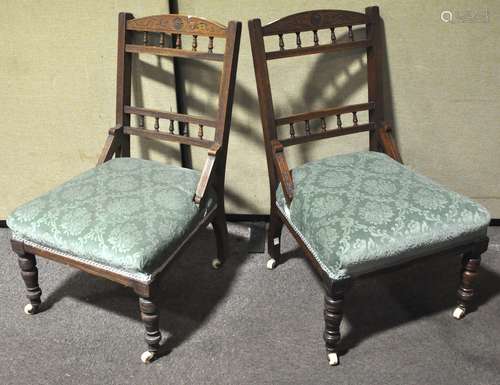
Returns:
(317, 49)
(314, 20)
(173, 52)
(324, 113)
(170, 116)
(282, 170)
(178, 24)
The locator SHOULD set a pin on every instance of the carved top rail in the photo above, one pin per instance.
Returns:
(314, 20)
(178, 24)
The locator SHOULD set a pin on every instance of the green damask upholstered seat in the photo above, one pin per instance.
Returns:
(364, 211)
(127, 214)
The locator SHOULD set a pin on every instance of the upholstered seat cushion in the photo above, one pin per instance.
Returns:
(126, 213)
(364, 211)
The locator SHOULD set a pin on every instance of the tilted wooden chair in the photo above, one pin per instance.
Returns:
(362, 212)
(126, 219)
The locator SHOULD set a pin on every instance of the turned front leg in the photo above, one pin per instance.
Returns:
(150, 318)
(466, 290)
(29, 272)
(334, 303)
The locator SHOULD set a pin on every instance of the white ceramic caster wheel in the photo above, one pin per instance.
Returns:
(29, 309)
(147, 356)
(333, 359)
(216, 263)
(271, 264)
(458, 313)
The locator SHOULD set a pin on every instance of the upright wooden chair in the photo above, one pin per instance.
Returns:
(126, 219)
(362, 212)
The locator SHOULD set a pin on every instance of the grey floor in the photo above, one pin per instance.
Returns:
(247, 325)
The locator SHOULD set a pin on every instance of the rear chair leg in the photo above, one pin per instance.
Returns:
(465, 293)
(29, 272)
(150, 318)
(334, 302)
(220, 229)
(274, 239)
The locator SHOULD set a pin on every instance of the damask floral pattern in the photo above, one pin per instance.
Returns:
(363, 211)
(127, 213)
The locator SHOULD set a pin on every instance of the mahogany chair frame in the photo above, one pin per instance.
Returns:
(118, 144)
(380, 139)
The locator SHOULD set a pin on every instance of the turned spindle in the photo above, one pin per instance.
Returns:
(308, 128)
(171, 127)
(210, 44)
(298, 41)
(292, 131)
(162, 39)
(157, 123)
(349, 33)
(333, 37)
(339, 121)
(145, 38)
(195, 43)
(354, 119)
(316, 39)
(323, 124)
(281, 42)
(200, 131)
(141, 121)
(178, 42)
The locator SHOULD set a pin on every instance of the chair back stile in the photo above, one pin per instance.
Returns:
(312, 22)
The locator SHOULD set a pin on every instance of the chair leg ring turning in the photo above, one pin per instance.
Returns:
(29, 273)
(150, 318)
(333, 317)
(466, 290)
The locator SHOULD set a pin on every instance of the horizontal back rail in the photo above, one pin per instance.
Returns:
(317, 49)
(178, 24)
(328, 134)
(173, 52)
(170, 116)
(314, 20)
(324, 113)
(154, 134)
